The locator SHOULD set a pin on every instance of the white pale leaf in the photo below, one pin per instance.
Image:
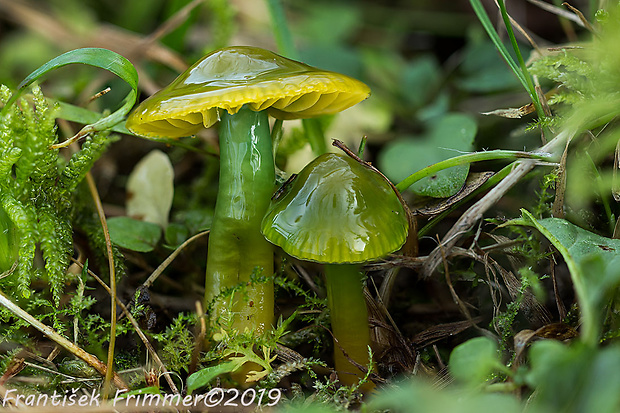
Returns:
(150, 189)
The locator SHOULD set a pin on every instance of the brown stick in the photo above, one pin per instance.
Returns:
(62, 341)
(476, 211)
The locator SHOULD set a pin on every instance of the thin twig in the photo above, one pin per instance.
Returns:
(10, 270)
(455, 296)
(72, 379)
(557, 11)
(581, 17)
(160, 269)
(306, 277)
(136, 326)
(101, 93)
(440, 362)
(170, 24)
(476, 211)
(62, 341)
(108, 243)
(200, 337)
(523, 32)
(556, 291)
(557, 209)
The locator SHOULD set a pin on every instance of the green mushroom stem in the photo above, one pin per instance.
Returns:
(236, 247)
(349, 320)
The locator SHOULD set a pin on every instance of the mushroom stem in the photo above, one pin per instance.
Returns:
(349, 320)
(237, 248)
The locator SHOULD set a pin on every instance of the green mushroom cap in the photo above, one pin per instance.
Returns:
(229, 78)
(337, 210)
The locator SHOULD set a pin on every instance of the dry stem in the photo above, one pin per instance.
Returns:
(476, 211)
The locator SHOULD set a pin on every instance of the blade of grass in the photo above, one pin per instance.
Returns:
(488, 27)
(316, 136)
(526, 75)
(465, 159)
(560, 12)
(518, 69)
(82, 115)
(96, 57)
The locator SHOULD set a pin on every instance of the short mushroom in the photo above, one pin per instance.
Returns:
(241, 86)
(340, 212)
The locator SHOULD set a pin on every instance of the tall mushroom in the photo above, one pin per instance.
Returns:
(340, 212)
(241, 86)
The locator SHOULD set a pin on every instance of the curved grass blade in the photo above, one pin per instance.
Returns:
(467, 159)
(96, 57)
(518, 69)
(528, 79)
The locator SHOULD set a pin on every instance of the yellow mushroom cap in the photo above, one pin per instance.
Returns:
(232, 77)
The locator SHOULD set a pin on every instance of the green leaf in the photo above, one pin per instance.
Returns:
(134, 235)
(473, 361)
(175, 234)
(196, 220)
(593, 262)
(420, 79)
(574, 379)
(495, 38)
(453, 132)
(417, 396)
(483, 71)
(101, 58)
(329, 23)
(203, 377)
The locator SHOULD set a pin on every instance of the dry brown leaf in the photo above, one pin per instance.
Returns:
(430, 207)
(512, 113)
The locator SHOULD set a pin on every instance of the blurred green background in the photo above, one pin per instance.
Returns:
(422, 59)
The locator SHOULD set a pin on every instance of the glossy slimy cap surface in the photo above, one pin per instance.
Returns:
(337, 211)
(232, 77)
